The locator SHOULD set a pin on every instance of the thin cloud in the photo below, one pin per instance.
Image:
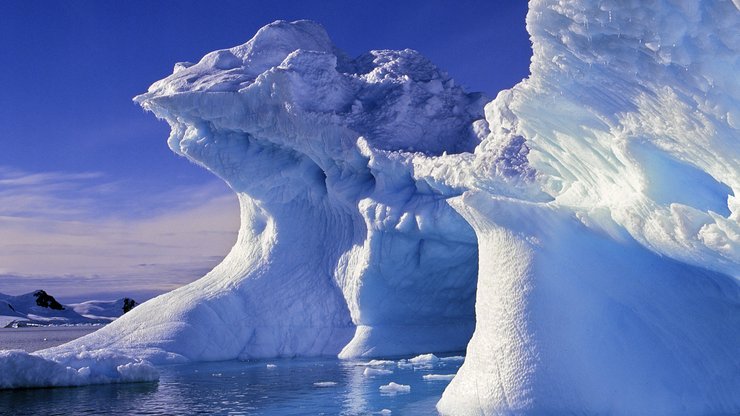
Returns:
(78, 231)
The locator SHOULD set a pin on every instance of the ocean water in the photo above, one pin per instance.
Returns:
(36, 338)
(270, 387)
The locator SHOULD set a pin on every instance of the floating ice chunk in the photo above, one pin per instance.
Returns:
(271, 366)
(385, 412)
(369, 372)
(420, 362)
(424, 359)
(325, 384)
(395, 388)
(379, 363)
(452, 359)
(438, 377)
(20, 369)
(618, 293)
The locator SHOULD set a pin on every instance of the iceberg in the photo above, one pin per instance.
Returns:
(611, 287)
(19, 369)
(341, 252)
(579, 235)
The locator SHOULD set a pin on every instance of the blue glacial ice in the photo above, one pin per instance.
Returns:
(583, 227)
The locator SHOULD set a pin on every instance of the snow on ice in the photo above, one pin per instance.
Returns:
(394, 388)
(583, 227)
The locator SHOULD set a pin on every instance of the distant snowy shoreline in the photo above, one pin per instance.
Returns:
(39, 309)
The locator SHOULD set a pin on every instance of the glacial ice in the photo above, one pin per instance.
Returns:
(611, 288)
(339, 252)
(583, 227)
(20, 369)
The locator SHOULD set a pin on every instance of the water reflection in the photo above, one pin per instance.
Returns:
(358, 389)
(242, 388)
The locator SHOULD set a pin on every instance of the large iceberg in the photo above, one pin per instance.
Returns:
(612, 287)
(341, 251)
(583, 227)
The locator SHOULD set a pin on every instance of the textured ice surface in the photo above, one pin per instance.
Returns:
(596, 203)
(394, 388)
(608, 277)
(21, 369)
(340, 251)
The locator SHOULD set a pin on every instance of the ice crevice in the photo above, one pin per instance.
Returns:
(578, 235)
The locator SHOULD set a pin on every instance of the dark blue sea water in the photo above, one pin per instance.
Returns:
(274, 387)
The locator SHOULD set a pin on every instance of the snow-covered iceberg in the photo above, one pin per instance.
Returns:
(19, 369)
(593, 210)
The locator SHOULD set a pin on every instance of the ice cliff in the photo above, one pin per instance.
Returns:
(611, 288)
(584, 224)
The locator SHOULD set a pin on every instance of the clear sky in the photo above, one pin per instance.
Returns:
(92, 202)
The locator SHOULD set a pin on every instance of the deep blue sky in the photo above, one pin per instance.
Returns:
(68, 71)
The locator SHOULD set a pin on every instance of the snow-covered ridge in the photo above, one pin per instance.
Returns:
(40, 308)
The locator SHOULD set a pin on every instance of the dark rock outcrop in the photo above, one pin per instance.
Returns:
(45, 300)
(128, 304)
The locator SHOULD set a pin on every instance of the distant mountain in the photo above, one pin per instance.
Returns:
(104, 309)
(40, 308)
